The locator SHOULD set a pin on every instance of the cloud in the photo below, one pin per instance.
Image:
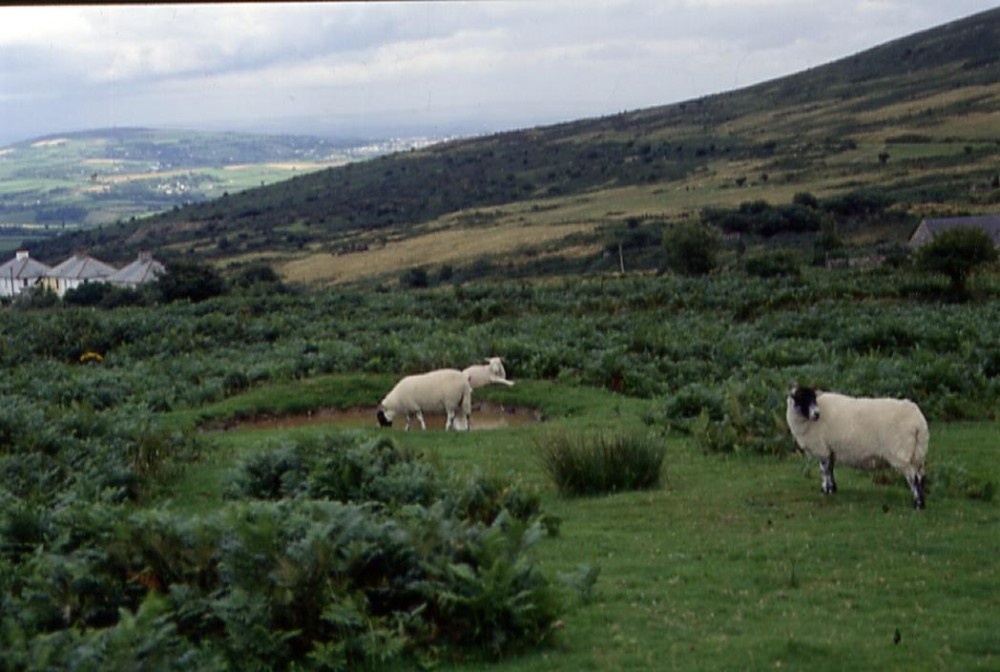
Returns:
(533, 62)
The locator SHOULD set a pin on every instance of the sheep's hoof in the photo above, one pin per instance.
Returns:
(918, 504)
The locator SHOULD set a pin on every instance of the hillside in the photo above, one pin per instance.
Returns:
(898, 131)
(78, 180)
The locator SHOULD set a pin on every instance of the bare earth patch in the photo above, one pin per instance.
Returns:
(485, 416)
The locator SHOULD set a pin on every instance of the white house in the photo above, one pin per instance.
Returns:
(21, 273)
(24, 273)
(143, 269)
(75, 271)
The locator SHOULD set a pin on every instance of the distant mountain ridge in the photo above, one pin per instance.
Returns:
(914, 119)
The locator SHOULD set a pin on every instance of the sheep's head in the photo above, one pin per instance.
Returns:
(496, 367)
(803, 400)
(384, 417)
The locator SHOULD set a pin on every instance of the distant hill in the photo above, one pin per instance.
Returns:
(77, 180)
(906, 128)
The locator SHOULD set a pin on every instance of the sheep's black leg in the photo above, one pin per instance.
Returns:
(916, 483)
(826, 468)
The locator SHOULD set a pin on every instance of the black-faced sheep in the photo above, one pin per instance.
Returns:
(481, 375)
(444, 389)
(860, 432)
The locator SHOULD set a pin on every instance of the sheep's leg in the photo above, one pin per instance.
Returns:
(408, 417)
(450, 422)
(916, 483)
(420, 417)
(826, 468)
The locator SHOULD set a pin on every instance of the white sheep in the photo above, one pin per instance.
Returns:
(481, 375)
(860, 432)
(443, 389)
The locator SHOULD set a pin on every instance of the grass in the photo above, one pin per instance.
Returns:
(734, 563)
(602, 463)
(453, 246)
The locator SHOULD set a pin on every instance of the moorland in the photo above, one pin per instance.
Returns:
(145, 524)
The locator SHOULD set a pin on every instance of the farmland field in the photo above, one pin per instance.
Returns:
(135, 493)
(86, 179)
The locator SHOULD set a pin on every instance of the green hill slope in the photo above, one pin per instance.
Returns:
(914, 121)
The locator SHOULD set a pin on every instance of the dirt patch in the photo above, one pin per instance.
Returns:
(485, 416)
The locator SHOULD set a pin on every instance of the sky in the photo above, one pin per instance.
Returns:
(413, 68)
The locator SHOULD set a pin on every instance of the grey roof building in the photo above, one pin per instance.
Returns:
(931, 227)
(143, 269)
(21, 273)
(75, 271)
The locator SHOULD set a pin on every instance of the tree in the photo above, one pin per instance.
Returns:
(415, 278)
(259, 277)
(189, 280)
(691, 248)
(957, 253)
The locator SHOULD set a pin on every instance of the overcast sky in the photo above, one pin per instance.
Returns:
(350, 67)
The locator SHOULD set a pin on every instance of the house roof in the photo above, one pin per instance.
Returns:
(23, 266)
(82, 267)
(143, 269)
(988, 223)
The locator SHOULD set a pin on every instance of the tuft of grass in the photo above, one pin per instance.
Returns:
(955, 480)
(601, 463)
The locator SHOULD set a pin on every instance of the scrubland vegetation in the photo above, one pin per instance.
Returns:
(657, 518)
(127, 534)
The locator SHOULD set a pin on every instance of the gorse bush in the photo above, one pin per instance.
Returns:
(601, 463)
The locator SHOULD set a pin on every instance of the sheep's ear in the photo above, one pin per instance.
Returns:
(794, 388)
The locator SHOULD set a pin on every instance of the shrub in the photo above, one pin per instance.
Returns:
(294, 583)
(956, 480)
(259, 276)
(956, 254)
(778, 263)
(689, 403)
(691, 248)
(87, 294)
(753, 421)
(188, 280)
(415, 278)
(595, 464)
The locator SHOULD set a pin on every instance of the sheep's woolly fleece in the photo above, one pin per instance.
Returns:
(860, 432)
(443, 389)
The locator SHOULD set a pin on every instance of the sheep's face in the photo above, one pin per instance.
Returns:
(803, 400)
(384, 417)
(496, 367)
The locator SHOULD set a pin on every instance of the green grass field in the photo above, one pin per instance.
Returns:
(736, 563)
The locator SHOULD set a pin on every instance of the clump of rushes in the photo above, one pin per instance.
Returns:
(597, 463)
